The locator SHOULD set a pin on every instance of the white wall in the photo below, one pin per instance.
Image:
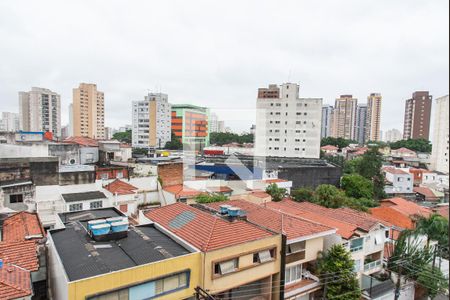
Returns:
(57, 276)
(11, 151)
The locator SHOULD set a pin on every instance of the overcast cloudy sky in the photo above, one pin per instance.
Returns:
(217, 54)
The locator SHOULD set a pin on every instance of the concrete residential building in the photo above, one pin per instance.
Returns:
(393, 135)
(70, 125)
(215, 124)
(417, 116)
(287, 125)
(398, 181)
(151, 121)
(9, 122)
(345, 117)
(373, 132)
(361, 123)
(327, 119)
(40, 110)
(439, 153)
(88, 111)
(190, 123)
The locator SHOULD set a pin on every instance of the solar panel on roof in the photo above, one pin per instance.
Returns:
(182, 219)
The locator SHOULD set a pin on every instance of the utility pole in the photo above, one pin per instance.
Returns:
(397, 287)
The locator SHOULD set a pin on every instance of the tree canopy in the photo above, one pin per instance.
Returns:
(436, 229)
(338, 142)
(174, 144)
(357, 186)
(221, 138)
(123, 137)
(276, 192)
(342, 284)
(210, 198)
(418, 145)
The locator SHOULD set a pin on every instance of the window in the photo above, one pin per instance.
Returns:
(296, 247)
(356, 244)
(76, 207)
(226, 267)
(119, 174)
(104, 176)
(263, 256)
(357, 265)
(96, 204)
(150, 289)
(293, 274)
(18, 198)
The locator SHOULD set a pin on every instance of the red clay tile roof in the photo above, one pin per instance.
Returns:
(22, 254)
(394, 171)
(404, 150)
(203, 230)
(428, 193)
(345, 220)
(409, 208)
(275, 180)
(259, 194)
(329, 147)
(15, 283)
(392, 217)
(180, 190)
(220, 189)
(82, 141)
(293, 227)
(441, 210)
(22, 226)
(121, 187)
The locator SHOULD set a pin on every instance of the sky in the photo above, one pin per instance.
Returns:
(217, 54)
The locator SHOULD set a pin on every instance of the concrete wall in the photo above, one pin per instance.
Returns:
(68, 178)
(170, 173)
(311, 176)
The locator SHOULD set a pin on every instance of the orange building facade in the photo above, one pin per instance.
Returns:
(191, 124)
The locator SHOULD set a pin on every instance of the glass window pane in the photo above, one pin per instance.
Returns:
(170, 283)
(159, 289)
(182, 279)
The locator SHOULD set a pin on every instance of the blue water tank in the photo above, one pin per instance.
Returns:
(115, 219)
(95, 222)
(119, 226)
(100, 229)
(224, 209)
(233, 211)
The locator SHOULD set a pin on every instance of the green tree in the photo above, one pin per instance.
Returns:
(370, 168)
(221, 138)
(303, 194)
(362, 204)
(337, 160)
(433, 280)
(139, 151)
(336, 265)
(338, 142)
(352, 166)
(174, 144)
(418, 145)
(276, 192)
(210, 198)
(123, 137)
(435, 228)
(357, 186)
(329, 196)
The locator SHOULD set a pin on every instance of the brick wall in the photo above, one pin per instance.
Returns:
(170, 173)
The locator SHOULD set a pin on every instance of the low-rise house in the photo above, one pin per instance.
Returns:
(178, 193)
(436, 178)
(329, 150)
(107, 172)
(426, 194)
(114, 260)
(398, 181)
(239, 259)
(403, 152)
(362, 234)
(84, 201)
(23, 267)
(304, 241)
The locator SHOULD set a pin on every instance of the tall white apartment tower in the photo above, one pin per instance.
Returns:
(40, 110)
(373, 117)
(439, 153)
(9, 122)
(287, 125)
(151, 126)
(345, 109)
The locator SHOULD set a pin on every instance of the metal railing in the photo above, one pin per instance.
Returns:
(372, 265)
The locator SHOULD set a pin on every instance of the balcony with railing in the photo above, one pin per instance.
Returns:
(373, 262)
(300, 280)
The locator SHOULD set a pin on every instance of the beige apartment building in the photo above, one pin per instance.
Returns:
(373, 117)
(88, 111)
(344, 117)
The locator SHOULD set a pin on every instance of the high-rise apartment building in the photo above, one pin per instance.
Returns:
(190, 124)
(361, 123)
(70, 125)
(40, 110)
(88, 111)
(373, 132)
(393, 135)
(9, 122)
(327, 119)
(215, 124)
(151, 121)
(439, 154)
(287, 125)
(417, 116)
(344, 117)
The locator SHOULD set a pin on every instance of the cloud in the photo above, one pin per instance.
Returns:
(218, 53)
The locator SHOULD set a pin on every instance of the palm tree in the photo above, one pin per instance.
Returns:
(435, 228)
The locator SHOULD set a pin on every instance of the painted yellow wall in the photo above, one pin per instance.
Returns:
(313, 246)
(80, 290)
(223, 283)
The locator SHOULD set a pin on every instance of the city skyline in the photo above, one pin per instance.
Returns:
(330, 62)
